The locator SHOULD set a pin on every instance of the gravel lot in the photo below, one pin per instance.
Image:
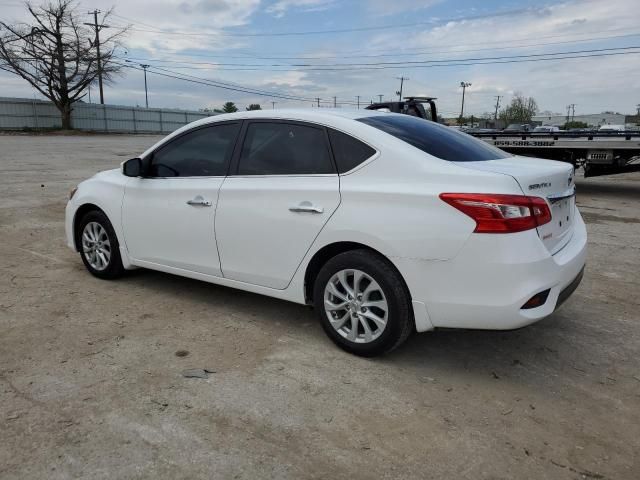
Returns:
(91, 387)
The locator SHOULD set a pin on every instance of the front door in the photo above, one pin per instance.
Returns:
(168, 216)
(283, 191)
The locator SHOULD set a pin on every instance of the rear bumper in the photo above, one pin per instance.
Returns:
(569, 289)
(493, 276)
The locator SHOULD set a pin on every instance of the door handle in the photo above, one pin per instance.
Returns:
(198, 201)
(306, 207)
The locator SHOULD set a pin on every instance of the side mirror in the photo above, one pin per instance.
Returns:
(132, 168)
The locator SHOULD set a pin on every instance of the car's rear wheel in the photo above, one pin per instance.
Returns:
(363, 303)
(99, 247)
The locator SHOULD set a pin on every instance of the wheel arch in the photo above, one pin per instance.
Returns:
(81, 212)
(324, 254)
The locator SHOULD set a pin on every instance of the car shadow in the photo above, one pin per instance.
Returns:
(494, 353)
(508, 355)
(218, 296)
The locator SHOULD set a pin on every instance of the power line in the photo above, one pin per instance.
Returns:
(249, 90)
(332, 31)
(213, 83)
(395, 54)
(234, 86)
(409, 62)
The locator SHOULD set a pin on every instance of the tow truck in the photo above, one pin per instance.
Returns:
(597, 152)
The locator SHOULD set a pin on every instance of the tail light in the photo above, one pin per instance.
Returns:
(497, 213)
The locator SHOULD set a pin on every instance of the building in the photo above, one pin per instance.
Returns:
(592, 119)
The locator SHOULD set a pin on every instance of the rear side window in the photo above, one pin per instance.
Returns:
(437, 140)
(284, 149)
(348, 151)
(204, 152)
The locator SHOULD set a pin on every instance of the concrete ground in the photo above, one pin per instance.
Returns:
(91, 386)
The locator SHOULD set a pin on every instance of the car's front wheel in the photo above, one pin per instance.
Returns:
(99, 247)
(363, 303)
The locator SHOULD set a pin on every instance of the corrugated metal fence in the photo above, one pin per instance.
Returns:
(22, 113)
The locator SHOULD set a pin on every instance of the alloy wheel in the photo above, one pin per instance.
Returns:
(96, 246)
(356, 306)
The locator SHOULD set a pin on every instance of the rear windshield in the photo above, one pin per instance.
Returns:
(437, 140)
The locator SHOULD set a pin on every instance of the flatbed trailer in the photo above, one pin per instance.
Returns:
(599, 153)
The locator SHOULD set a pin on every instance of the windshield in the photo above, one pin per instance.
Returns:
(437, 140)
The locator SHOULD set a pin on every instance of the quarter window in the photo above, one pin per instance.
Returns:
(204, 152)
(348, 151)
(284, 149)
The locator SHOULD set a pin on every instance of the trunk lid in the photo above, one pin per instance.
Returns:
(551, 180)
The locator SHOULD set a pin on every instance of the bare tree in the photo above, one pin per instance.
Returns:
(57, 55)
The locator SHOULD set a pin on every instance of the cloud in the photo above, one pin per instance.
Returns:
(208, 17)
(281, 7)
(393, 7)
(595, 84)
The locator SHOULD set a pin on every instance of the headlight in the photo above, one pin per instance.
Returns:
(72, 192)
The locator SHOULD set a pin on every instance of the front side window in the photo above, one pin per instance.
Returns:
(204, 152)
(349, 152)
(435, 139)
(284, 149)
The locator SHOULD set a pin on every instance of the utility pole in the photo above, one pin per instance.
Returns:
(146, 95)
(318, 100)
(573, 111)
(273, 105)
(568, 110)
(638, 107)
(399, 92)
(97, 29)
(464, 86)
(495, 115)
(358, 97)
(380, 97)
(334, 102)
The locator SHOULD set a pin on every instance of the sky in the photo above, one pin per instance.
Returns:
(307, 49)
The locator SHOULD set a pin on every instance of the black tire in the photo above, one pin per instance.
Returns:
(400, 322)
(114, 268)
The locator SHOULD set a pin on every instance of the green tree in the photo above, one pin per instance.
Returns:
(229, 107)
(520, 110)
(254, 106)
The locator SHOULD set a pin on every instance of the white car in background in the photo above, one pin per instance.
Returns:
(386, 223)
(612, 128)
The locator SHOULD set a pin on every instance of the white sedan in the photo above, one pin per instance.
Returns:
(386, 223)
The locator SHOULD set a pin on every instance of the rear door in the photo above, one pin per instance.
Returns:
(282, 190)
(168, 216)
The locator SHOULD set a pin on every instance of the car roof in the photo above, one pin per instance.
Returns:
(309, 114)
(340, 118)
